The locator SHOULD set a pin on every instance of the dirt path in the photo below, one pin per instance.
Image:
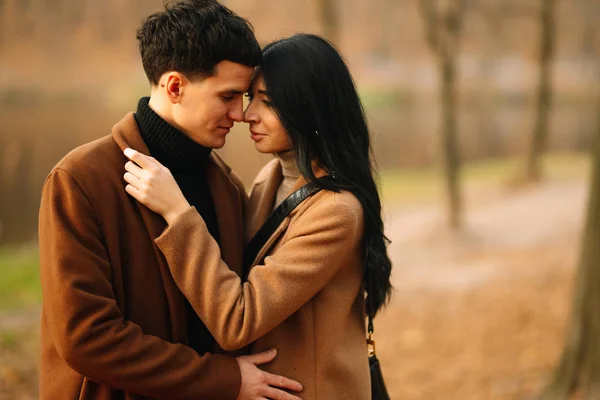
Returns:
(481, 315)
(426, 255)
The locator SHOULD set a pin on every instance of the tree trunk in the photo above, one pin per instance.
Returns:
(18, 203)
(75, 14)
(544, 94)
(442, 32)
(579, 368)
(450, 140)
(329, 20)
(3, 186)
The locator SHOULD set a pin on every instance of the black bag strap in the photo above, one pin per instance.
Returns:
(275, 219)
(369, 306)
(370, 311)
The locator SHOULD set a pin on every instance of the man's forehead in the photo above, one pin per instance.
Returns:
(231, 76)
(230, 70)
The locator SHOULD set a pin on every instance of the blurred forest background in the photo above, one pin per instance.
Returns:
(482, 115)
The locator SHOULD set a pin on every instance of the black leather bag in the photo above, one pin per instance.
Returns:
(378, 389)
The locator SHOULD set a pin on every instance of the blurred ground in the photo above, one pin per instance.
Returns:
(481, 315)
(475, 316)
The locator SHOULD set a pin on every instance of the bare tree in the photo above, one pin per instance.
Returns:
(76, 14)
(544, 92)
(17, 206)
(329, 19)
(578, 370)
(443, 27)
(3, 186)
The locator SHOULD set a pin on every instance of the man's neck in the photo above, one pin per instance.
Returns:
(163, 108)
(166, 143)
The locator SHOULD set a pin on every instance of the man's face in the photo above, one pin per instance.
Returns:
(209, 107)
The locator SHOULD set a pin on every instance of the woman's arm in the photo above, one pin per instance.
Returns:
(317, 246)
(236, 313)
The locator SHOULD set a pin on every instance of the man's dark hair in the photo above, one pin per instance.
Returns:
(192, 37)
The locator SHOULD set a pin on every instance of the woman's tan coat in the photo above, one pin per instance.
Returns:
(304, 291)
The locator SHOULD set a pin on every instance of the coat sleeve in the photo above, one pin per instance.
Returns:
(317, 245)
(87, 327)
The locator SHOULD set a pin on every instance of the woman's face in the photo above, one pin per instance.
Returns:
(266, 129)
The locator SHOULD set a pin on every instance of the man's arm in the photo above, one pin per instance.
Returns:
(86, 325)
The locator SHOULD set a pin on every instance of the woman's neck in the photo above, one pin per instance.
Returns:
(290, 172)
(289, 167)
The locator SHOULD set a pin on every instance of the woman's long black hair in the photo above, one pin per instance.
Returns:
(316, 100)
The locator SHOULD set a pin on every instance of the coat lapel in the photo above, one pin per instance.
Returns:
(262, 198)
(126, 134)
(264, 205)
(228, 209)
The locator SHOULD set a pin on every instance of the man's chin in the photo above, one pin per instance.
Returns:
(218, 143)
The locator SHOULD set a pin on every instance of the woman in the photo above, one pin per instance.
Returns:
(305, 290)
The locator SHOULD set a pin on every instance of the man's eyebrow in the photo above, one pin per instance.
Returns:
(263, 92)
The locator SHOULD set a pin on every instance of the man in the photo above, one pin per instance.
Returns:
(114, 324)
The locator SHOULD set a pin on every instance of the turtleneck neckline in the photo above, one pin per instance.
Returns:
(289, 166)
(290, 172)
(167, 144)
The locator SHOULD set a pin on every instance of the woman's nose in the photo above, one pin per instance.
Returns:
(250, 115)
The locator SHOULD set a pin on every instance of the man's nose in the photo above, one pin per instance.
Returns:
(237, 112)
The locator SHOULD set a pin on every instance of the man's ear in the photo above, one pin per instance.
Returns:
(173, 84)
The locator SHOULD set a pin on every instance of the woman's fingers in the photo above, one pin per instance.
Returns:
(142, 160)
(134, 192)
(134, 169)
(132, 180)
(152, 184)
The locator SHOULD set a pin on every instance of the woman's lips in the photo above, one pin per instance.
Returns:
(256, 136)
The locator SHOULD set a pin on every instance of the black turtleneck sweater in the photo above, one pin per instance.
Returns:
(186, 160)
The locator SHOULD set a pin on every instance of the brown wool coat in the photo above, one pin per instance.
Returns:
(113, 320)
(303, 295)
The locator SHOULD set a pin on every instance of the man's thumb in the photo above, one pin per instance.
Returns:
(262, 358)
